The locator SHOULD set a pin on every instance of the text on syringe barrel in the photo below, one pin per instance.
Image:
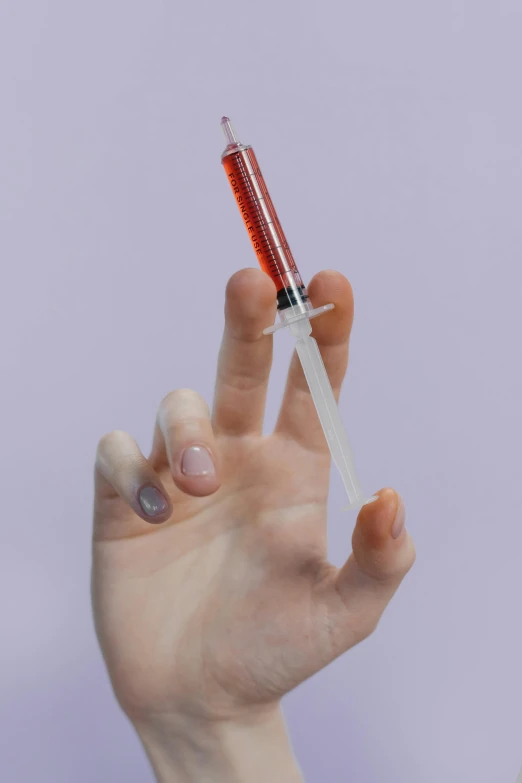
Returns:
(263, 226)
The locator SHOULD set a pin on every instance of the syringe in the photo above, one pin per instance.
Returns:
(293, 304)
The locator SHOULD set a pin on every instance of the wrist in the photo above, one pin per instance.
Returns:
(253, 750)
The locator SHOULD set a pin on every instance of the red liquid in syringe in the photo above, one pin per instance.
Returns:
(261, 221)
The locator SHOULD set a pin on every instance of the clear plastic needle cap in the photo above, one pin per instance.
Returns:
(228, 130)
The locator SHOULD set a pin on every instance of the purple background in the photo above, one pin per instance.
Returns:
(390, 137)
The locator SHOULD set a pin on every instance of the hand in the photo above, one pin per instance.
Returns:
(211, 607)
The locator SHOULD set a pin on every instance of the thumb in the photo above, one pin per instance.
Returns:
(382, 554)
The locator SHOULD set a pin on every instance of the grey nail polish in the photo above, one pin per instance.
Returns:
(152, 501)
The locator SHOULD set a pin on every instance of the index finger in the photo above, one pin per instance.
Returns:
(245, 357)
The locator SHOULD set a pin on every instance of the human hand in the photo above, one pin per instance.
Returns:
(211, 610)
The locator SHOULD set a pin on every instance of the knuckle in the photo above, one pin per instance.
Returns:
(368, 627)
(109, 441)
(364, 623)
(117, 455)
(240, 278)
(176, 396)
(181, 404)
(120, 470)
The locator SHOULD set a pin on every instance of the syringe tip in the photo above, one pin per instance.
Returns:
(229, 131)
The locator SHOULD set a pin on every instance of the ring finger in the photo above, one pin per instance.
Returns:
(184, 441)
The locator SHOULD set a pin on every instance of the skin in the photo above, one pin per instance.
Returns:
(208, 614)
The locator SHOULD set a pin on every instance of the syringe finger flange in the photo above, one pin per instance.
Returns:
(291, 319)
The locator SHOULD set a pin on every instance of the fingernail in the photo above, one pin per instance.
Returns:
(196, 461)
(400, 518)
(152, 501)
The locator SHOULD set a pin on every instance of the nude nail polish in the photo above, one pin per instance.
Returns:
(398, 522)
(196, 461)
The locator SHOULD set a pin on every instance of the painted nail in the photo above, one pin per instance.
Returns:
(400, 518)
(196, 461)
(152, 501)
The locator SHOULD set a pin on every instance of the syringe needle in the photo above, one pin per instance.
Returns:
(327, 410)
(228, 130)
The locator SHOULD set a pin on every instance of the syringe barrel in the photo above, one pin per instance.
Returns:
(263, 227)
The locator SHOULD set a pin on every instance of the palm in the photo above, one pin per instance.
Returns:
(223, 602)
(231, 602)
